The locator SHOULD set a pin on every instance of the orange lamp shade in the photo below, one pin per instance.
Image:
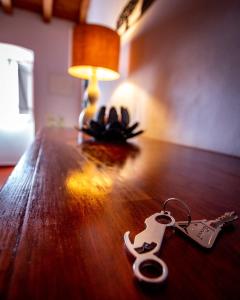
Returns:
(95, 50)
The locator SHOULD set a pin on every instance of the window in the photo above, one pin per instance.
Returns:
(16, 86)
(16, 102)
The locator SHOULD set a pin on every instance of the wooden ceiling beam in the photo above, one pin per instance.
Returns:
(7, 6)
(83, 10)
(47, 10)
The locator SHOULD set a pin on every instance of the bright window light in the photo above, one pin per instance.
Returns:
(10, 58)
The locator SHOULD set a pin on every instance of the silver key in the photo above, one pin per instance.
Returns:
(205, 232)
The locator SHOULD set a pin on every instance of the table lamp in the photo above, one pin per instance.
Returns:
(95, 56)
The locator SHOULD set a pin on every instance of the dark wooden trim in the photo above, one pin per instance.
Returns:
(83, 10)
(7, 6)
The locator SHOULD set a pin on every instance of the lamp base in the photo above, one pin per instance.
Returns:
(86, 115)
(91, 95)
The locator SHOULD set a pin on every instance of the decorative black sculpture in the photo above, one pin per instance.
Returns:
(113, 128)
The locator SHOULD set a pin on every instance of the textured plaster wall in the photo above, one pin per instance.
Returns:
(56, 94)
(180, 74)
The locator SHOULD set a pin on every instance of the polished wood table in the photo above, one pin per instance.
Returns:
(66, 206)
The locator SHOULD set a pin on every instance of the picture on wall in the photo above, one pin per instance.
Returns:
(131, 13)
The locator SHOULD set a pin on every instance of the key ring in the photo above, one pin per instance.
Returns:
(189, 218)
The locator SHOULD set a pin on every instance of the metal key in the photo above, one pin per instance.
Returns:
(205, 232)
(147, 243)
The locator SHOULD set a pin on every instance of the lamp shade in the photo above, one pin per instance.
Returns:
(95, 49)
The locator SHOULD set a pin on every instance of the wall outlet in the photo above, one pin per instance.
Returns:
(55, 121)
(60, 122)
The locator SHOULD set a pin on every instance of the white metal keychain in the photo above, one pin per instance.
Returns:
(148, 243)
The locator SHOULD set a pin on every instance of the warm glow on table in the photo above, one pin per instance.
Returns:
(88, 182)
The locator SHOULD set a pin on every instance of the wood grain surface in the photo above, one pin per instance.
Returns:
(66, 206)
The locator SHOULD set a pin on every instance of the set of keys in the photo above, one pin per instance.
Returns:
(148, 242)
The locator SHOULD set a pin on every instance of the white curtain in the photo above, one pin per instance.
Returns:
(23, 83)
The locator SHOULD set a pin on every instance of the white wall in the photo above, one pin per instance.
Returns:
(180, 73)
(56, 94)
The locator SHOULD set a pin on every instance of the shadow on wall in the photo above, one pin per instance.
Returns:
(187, 62)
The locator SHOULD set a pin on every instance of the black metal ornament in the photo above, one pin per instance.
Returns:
(111, 128)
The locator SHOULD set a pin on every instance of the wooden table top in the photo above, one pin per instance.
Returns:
(65, 208)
